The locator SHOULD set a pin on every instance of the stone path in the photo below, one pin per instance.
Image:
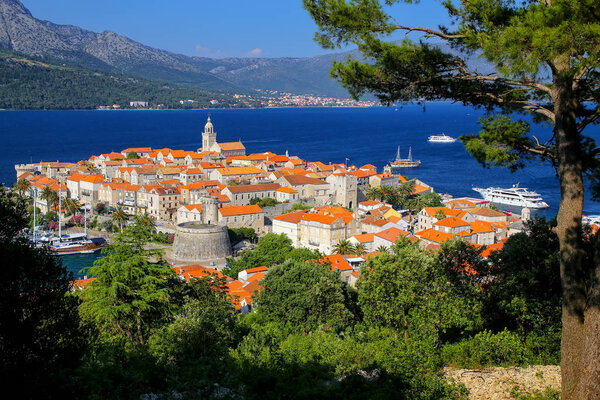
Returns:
(497, 383)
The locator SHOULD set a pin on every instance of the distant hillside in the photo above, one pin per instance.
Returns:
(110, 52)
(29, 83)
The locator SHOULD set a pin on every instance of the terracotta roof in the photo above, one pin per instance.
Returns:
(285, 189)
(432, 211)
(75, 177)
(434, 235)
(94, 178)
(228, 146)
(296, 180)
(481, 227)
(240, 210)
(239, 171)
(254, 188)
(392, 234)
(197, 271)
(323, 219)
(451, 222)
(137, 150)
(192, 207)
(486, 212)
(364, 238)
(256, 269)
(337, 261)
(491, 247)
(201, 185)
(292, 217)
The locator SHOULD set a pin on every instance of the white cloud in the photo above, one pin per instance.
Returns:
(255, 52)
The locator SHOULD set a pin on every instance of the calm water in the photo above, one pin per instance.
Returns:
(369, 135)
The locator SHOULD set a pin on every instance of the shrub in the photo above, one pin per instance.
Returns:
(107, 225)
(487, 349)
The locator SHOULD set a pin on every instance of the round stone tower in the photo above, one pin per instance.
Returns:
(197, 243)
(210, 210)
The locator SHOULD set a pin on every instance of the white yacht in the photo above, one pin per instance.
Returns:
(443, 138)
(515, 196)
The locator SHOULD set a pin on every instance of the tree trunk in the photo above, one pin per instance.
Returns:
(569, 230)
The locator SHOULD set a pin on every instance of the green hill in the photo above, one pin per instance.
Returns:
(29, 83)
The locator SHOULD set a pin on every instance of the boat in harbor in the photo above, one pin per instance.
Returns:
(515, 196)
(75, 243)
(443, 138)
(408, 162)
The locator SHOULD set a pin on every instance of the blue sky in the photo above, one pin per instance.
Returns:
(217, 28)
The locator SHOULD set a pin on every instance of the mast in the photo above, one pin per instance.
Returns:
(398, 154)
(59, 208)
(34, 206)
(85, 219)
(410, 154)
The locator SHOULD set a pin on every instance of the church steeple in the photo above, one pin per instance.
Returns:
(209, 136)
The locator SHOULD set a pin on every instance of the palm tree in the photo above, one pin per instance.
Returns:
(119, 217)
(359, 249)
(375, 193)
(22, 186)
(343, 247)
(382, 249)
(71, 206)
(50, 196)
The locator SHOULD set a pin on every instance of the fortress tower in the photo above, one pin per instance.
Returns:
(209, 136)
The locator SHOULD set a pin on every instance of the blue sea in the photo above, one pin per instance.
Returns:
(363, 135)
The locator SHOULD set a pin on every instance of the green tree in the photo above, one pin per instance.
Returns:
(545, 53)
(40, 339)
(359, 249)
(271, 249)
(132, 154)
(304, 294)
(525, 293)
(131, 296)
(440, 215)
(119, 217)
(22, 186)
(71, 206)
(344, 247)
(50, 196)
(375, 193)
(409, 292)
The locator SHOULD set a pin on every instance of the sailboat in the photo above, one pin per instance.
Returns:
(404, 162)
(73, 243)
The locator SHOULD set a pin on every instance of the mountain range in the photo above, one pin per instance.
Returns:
(21, 32)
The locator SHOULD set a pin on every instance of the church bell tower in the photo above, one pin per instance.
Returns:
(209, 136)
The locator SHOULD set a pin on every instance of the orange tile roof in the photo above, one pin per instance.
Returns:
(365, 237)
(323, 219)
(486, 212)
(434, 235)
(94, 178)
(292, 217)
(254, 188)
(228, 146)
(285, 189)
(481, 227)
(256, 269)
(197, 271)
(452, 222)
(337, 261)
(464, 234)
(487, 251)
(137, 150)
(418, 189)
(76, 177)
(296, 180)
(256, 277)
(392, 234)
(368, 166)
(239, 171)
(240, 210)
(201, 185)
(180, 153)
(192, 207)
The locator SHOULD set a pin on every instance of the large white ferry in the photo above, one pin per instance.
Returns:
(515, 196)
(443, 138)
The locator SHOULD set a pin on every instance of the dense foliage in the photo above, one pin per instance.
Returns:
(139, 328)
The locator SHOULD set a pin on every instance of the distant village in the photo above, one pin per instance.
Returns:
(316, 205)
(264, 98)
